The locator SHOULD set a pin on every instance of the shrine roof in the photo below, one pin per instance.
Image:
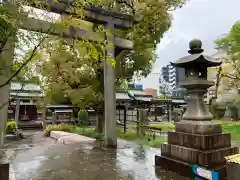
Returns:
(63, 111)
(59, 106)
(197, 58)
(25, 94)
(25, 86)
(139, 95)
(122, 95)
(180, 101)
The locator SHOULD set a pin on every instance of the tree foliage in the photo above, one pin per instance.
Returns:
(74, 71)
(155, 20)
(232, 43)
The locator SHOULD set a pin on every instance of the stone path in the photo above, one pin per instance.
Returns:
(45, 159)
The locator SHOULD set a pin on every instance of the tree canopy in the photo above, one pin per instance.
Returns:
(155, 20)
(231, 69)
(73, 71)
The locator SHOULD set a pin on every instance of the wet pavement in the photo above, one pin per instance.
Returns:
(44, 159)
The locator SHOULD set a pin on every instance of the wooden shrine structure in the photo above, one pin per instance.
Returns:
(24, 96)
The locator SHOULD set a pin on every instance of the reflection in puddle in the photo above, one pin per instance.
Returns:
(139, 153)
(76, 162)
(28, 166)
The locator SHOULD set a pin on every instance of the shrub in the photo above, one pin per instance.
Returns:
(164, 126)
(83, 117)
(217, 110)
(89, 132)
(234, 110)
(177, 114)
(58, 127)
(11, 127)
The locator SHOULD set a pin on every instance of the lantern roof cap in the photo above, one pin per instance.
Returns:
(196, 56)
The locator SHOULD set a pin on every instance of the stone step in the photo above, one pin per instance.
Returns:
(198, 141)
(195, 156)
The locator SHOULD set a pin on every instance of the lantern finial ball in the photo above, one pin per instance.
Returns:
(195, 46)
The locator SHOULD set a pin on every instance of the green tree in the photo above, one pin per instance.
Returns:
(232, 44)
(69, 73)
(155, 20)
(13, 16)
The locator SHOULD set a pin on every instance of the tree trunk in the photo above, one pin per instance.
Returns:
(75, 112)
(228, 114)
(100, 123)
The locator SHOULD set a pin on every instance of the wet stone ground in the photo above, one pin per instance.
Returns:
(44, 159)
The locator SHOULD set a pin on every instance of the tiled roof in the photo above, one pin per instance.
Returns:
(16, 86)
(23, 94)
(233, 159)
(122, 96)
(136, 92)
(143, 98)
(139, 95)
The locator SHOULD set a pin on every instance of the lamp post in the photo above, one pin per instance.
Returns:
(197, 139)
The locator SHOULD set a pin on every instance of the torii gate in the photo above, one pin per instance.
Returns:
(96, 15)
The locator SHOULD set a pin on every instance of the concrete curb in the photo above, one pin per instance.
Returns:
(69, 138)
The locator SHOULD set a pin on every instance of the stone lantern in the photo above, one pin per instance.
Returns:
(197, 118)
(197, 139)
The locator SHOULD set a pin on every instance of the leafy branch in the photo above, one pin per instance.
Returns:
(129, 4)
(25, 63)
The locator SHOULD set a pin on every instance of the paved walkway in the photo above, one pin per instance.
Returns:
(45, 159)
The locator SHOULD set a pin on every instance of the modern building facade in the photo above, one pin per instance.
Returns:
(173, 76)
(180, 74)
(165, 73)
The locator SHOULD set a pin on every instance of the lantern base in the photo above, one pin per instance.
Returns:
(183, 150)
(182, 168)
(4, 171)
(198, 127)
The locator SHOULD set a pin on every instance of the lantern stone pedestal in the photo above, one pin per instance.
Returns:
(4, 166)
(4, 171)
(197, 139)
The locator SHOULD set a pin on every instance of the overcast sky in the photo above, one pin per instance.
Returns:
(203, 19)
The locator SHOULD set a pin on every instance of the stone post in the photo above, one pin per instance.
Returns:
(54, 118)
(125, 118)
(16, 118)
(43, 117)
(143, 121)
(170, 112)
(109, 92)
